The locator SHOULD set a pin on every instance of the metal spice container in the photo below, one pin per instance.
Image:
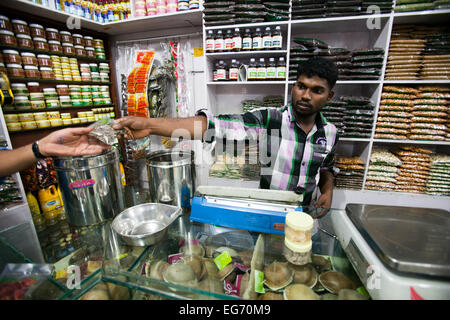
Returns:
(91, 187)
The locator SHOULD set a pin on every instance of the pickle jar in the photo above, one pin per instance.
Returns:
(35, 96)
(55, 46)
(65, 101)
(12, 56)
(103, 67)
(298, 227)
(62, 89)
(20, 27)
(50, 94)
(44, 61)
(3, 68)
(90, 52)
(32, 72)
(29, 59)
(53, 34)
(15, 70)
(34, 87)
(104, 77)
(19, 89)
(78, 39)
(7, 38)
(66, 37)
(22, 103)
(47, 73)
(40, 44)
(68, 49)
(5, 24)
(80, 51)
(36, 30)
(93, 67)
(89, 41)
(84, 67)
(297, 253)
(24, 41)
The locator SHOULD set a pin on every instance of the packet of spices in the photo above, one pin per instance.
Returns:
(222, 260)
(259, 282)
(103, 131)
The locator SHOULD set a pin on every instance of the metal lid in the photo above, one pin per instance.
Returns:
(405, 239)
(86, 162)
(169, 158)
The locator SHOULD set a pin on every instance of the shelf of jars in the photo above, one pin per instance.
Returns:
(94, 106)
(51, 81)
(245, 54)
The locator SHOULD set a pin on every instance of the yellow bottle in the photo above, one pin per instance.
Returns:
(33, 204)
(49, 199)
(122, 175)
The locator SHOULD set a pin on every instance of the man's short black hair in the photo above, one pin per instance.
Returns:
(320, 67)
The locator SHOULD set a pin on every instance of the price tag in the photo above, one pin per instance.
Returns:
(259, 282)
(222, 260)
(198, 52)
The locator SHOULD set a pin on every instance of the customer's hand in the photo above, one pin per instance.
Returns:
(71, 142)
(139, 127)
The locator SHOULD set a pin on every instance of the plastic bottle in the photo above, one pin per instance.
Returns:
(33, 204)
(271, 69)
(257, 40)
(233, 70)
(229, 41)
(252, 70)
(222, 71)
(262, 70)
(247, 40)
(277, 39)
(216, 66)
(49, 199)
(237, 40)
(210, 41)
(281, 69)
(267, 39)
(219, 43)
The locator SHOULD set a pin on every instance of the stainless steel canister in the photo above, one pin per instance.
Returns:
(171, 177)
(91, 187)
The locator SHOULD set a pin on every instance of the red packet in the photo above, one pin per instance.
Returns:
(174, 258)
(230, 288)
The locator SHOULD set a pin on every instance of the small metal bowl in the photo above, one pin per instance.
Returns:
(145, 224)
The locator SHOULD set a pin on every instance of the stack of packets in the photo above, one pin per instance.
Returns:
(218, 12)
(430, 114)
(414, 113)
(138, 102)
(358, 117)
(351, 172)
(308, 9)
(394, 115)
(385, 6)
(366, 64)
(438, 182)
(419, 5)
(267, 102)
(418, 52)
(249, 105)
(334, 112)
(383, 170)
(414, 169)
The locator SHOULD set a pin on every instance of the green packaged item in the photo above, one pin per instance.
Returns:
(414, 7)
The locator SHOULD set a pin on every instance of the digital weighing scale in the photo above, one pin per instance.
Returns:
(251, 209)
(397, 252)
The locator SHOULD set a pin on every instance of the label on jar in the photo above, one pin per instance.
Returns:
(219, 44)
(271, 72)
(257, 43)
(247, 43)
(276, 41)
(267, 42)
(237, 42)
(281, 72)
(262, 73)
(234, 72)
(221, 74)
(252, 73)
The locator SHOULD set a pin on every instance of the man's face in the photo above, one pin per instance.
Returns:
(309, 95)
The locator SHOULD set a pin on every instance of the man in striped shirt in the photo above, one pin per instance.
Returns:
(297, 142)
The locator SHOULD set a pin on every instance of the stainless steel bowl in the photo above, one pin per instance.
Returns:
(145, 224)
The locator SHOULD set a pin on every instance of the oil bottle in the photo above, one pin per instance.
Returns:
(210, 41)
(281, 69)
(267, 39)
(257, 40)
(277, 39)
(228, 41)
(234, 70)
(252, 70)
(237, 40)
(271, 69)
(219, 43)
(222, 71)
(247, 40)
(262, 70)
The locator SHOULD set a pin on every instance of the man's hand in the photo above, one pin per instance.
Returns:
(138, 126)
(323, 202)
(71, 142)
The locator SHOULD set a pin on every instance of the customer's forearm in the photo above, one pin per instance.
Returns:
(192, 126)
(12, 161)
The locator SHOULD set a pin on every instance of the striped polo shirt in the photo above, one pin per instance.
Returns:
(290, 159)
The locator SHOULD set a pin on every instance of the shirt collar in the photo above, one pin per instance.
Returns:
(320, 119)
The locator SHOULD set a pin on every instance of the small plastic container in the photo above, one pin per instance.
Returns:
(100, 55)
(93, 67)
(26, 117)
(85, 76)
(37, 104)
(11, 118)
(36, 30)
(34, 87)
(104, 77)
(32, 72)
(20, 27)
(7, 38)
(36, 96)
(24, 41)
(98, 43)
(65, 116)
(84, 67)
(76, 102)
(80, 51)
(68, 49)
(86, 102)
(78, 39)
(14, 126)
(41, 44)
(5, 23)
(65, 101)
(19, 89)
(53, 34)
(22, 103)
(15, 70)
(50, 93)
(298, 254)
(29, 125)
(53, 115)
(40, 116)
(67, 122)
(84, 120)
(298, 227)
(44, 60)
(12, 56)
(29, 59)
(47, 73)
(43, 123)
(52, 104)
(75, 120)
(90, 52)
(88, 41)
(95, 76)
(66, 37)
(103, 67)
(63, 89)
(55, 46)
(56, 122)
(3, 68)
